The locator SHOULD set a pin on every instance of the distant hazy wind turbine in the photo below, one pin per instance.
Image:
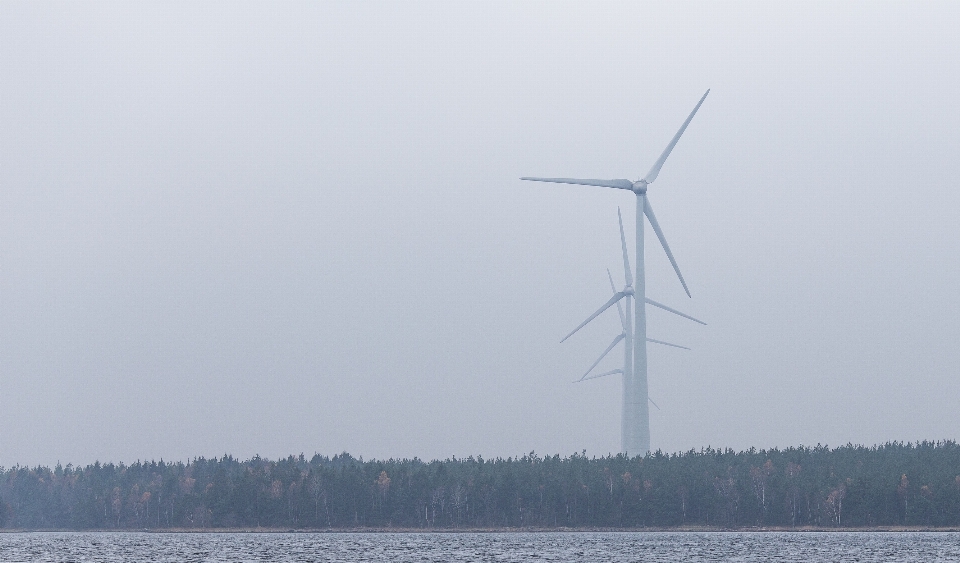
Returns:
(625, 321)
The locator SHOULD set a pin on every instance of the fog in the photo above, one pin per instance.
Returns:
(275, 228)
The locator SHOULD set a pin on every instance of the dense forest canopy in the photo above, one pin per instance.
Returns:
(893, 484)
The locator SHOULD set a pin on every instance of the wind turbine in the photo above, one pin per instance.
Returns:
(635, 429)
(625, 320)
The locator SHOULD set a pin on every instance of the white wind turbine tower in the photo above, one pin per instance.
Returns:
(635, 428)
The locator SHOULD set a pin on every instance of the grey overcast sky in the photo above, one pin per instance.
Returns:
(274, 228)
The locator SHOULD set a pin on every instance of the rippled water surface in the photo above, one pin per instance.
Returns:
(809, 547)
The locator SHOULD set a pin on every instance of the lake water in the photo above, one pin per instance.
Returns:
(687, 547)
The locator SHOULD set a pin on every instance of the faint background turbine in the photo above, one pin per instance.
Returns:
(626, 322)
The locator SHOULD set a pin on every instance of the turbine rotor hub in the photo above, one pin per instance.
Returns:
(628, 290)
(640, 187)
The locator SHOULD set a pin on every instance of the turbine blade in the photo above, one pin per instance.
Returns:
(605, 352)
(623, 320)
(622, 184)
(666, 343)
(648, 211)
(655, 170)
(627, 274)
(616, 297)
(654, 404)
(674, 311)
(604, 374)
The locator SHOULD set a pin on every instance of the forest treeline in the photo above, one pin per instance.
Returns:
(850, 486)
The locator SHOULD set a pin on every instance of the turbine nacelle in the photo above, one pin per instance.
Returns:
(640, 187)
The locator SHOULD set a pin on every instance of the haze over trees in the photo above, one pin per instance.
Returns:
(850, 486)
